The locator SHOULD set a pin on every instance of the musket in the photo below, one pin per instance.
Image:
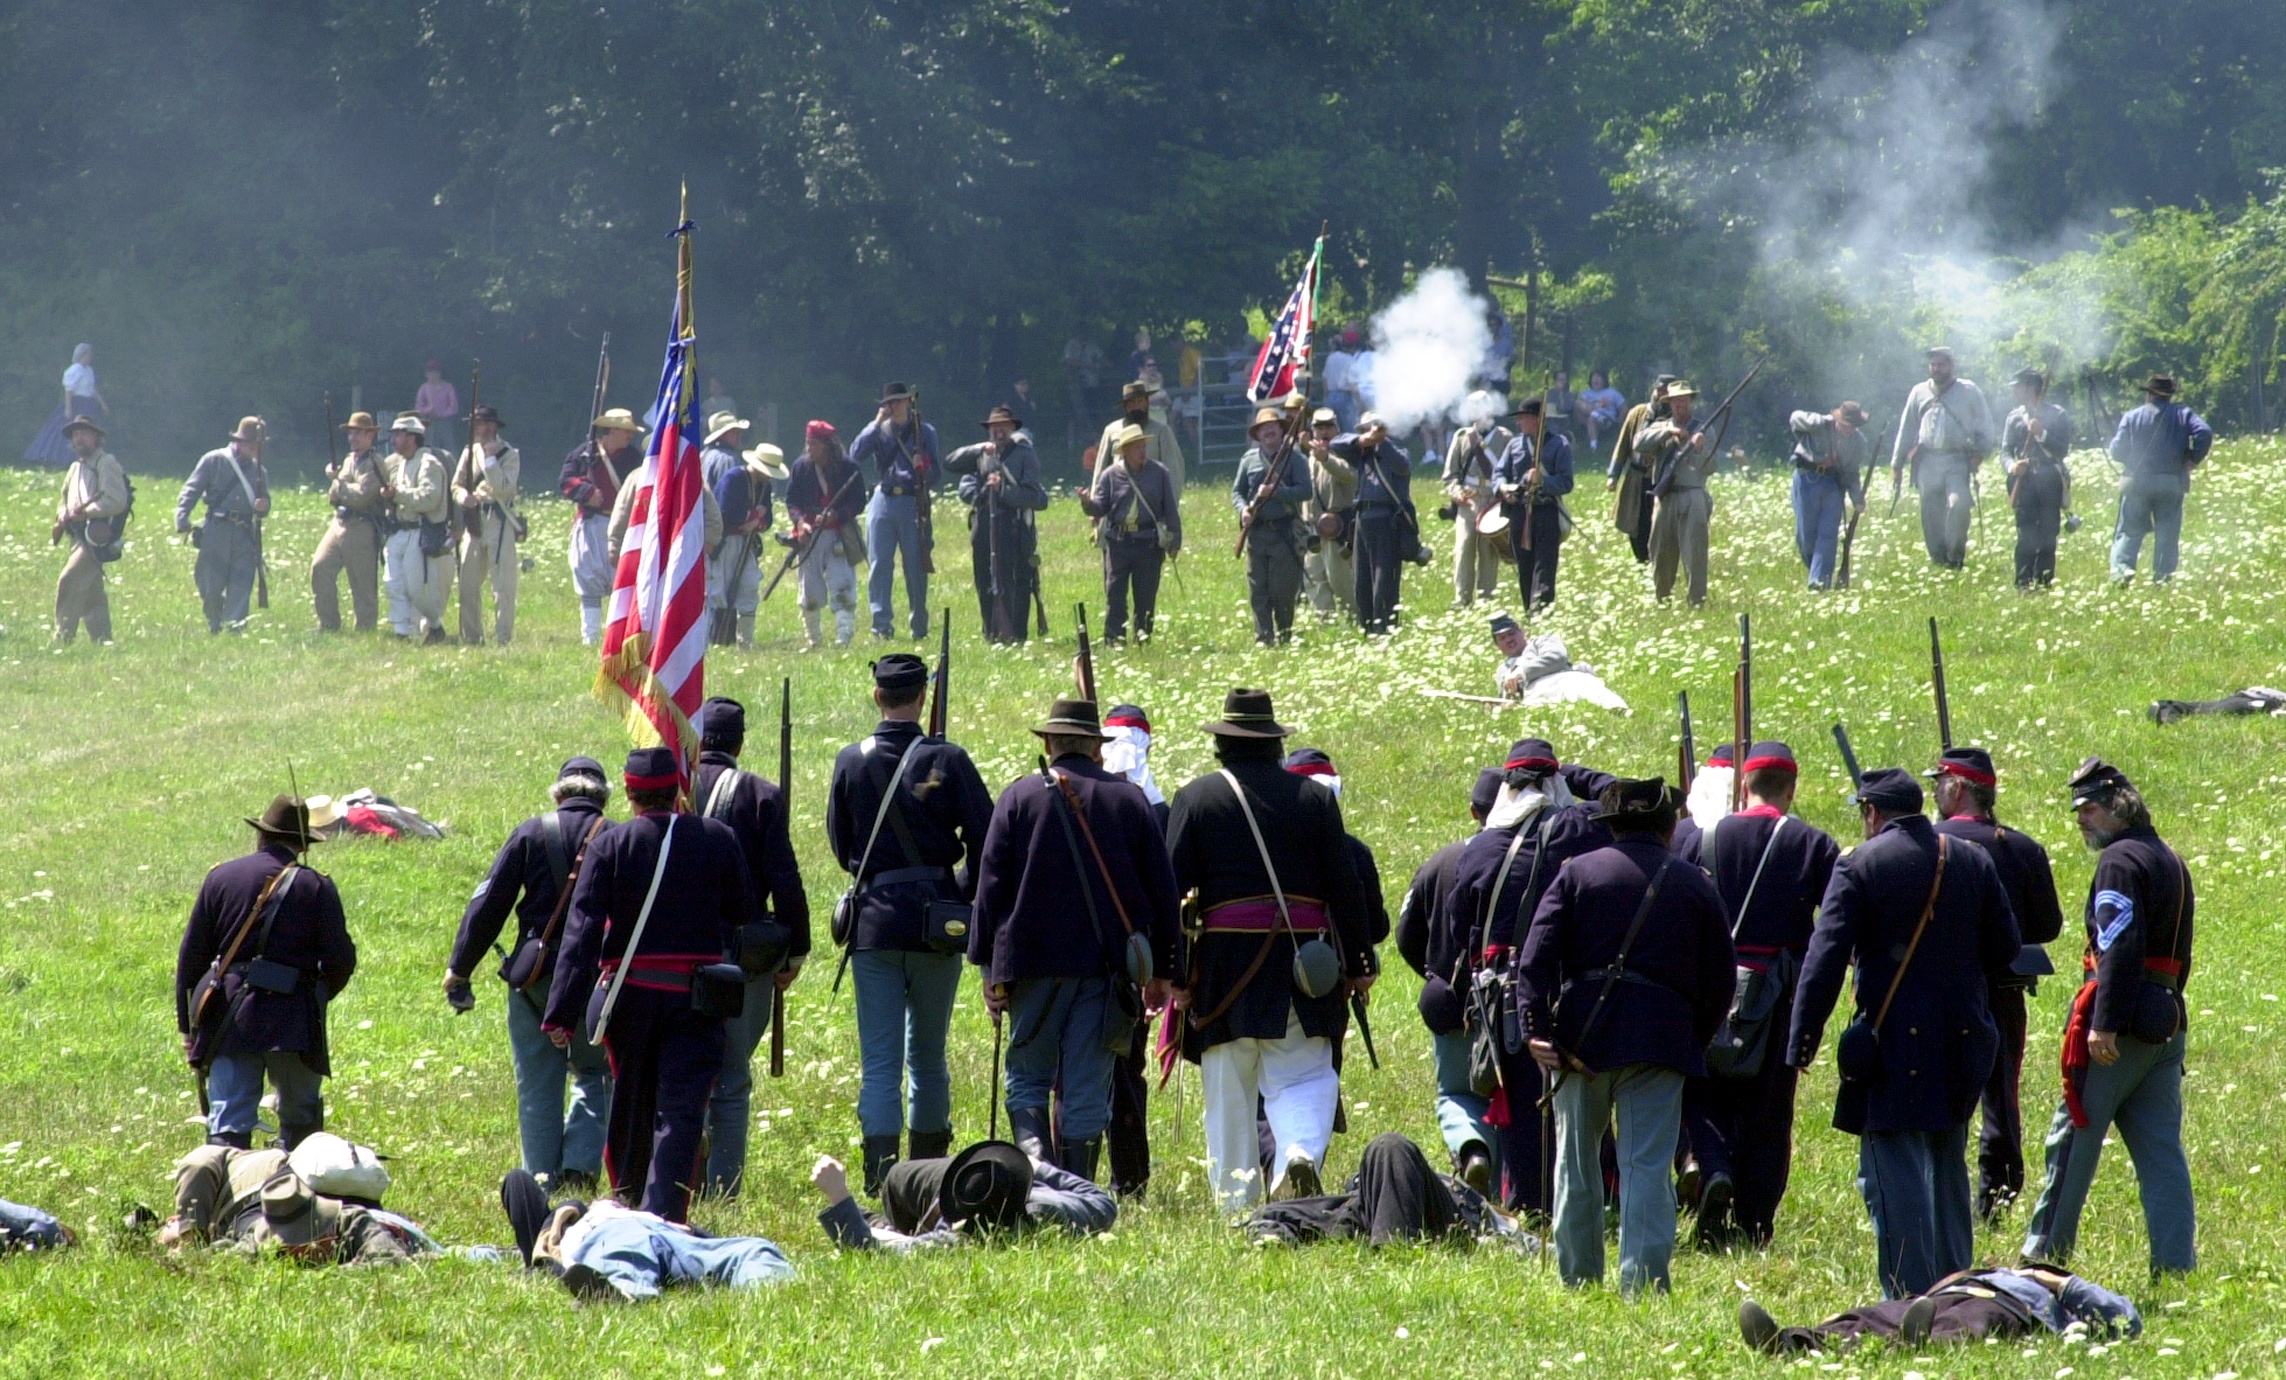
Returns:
(602, 381)
(1665, 478)
(1849, 538)
(926, 480)
(1687, 753)
(1364, 1028)
(1742, 704)
(999, 629)
(943, 677)
(472, 519)
(1539, 478)
(1896, 487)
(1937, 676)
(1849, 758)
(786, 795)
(1276, 466)
(1436, 694)
(332, 454)
(798, 550)
(1039, 605)
(1083, 667)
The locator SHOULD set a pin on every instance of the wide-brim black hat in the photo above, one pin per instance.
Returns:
(1247, 714)
(1071, 718)
(2160, 384)
(1001, 414)
(287, 819)
(1635, 800)
(896, 392)
(486, 413)
(987, 1184)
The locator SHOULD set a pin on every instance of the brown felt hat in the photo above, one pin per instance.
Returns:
(1247, 714)
(83, 423)
(1001, 414)
(250, 429)
(1137, 389)
(287, 820)
(1071, 718)
(360, 421)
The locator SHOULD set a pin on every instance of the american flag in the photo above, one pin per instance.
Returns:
(654, 636)
(1285, 358)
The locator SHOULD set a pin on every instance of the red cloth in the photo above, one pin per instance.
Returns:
(2075, 1058)
(364, 819)
(1261, 914)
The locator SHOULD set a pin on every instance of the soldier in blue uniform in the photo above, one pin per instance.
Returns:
(2123, 1046)
(1927, 924)
(913, 868)
(2157, 446)
(755, 809)
(1434, 953)
(1622, 977)
(682, 882)
(1771, 869)
(1533, 475)
(1535, 825)
(1073, 888)
(1965, 787)
(1261, 1039)
(275, 929)
(532, 875)
(1388, 532)
(903, 450)
(1274, 541)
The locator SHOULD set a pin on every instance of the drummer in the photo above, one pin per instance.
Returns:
(1534, 474)
(1480, 538)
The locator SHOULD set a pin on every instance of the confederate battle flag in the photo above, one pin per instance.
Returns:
(654, 635)
(1285, 356)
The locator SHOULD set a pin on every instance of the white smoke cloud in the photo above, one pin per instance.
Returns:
(1428, 346)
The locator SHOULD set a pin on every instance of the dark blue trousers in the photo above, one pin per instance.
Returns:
(665, 1058)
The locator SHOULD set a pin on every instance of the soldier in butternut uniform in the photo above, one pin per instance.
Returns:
(417, 579)
(94, 495)
(360, 524)
(484, 508)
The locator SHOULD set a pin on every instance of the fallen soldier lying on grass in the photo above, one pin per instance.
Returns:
(2255, 699)
(257, 1200)
(991, 1188)
(1395, 1196)
(1969, 1306)
(605, 1250)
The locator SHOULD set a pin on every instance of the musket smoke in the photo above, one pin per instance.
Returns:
(1428, 346)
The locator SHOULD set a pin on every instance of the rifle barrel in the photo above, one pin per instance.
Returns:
(1937, 678)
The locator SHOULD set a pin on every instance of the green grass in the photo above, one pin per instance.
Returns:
(127, 770)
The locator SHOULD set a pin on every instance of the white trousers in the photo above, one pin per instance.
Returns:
(416, 585)
(1295, 1080)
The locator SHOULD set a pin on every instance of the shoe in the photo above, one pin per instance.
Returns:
(931, 1145)
(1914, 1326)
(1714, 1210)
(1080, 1156)
(1757, 1327)
(1687, 1186)
(880, 1153)
(588, 1284)
(1300, 1179)
(1028, 1130)
(1474, 1168)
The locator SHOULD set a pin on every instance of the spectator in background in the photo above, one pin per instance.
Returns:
(1361, 380)
(1083, 370)
(438, 404)
(1599, 408)
(1151, 378)
(1501, 357)
(1022, 401)
(1562, 403)
(1189, 402)
(1341, 378)
(81, 398)
(1141, 354)
(718, 399)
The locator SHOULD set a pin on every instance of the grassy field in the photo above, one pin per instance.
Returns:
(127, 770)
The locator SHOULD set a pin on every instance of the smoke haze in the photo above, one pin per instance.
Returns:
(1427, 347)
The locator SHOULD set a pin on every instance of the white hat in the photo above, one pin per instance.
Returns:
(722, 422)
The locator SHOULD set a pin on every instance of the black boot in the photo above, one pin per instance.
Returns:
(291, 1136)
(1079, 1156)
(1028, 1128)
(880, 1153)
(932, 1145)
(236, 1140)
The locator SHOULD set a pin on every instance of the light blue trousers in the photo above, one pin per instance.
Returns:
(1646, 1103)
(729, 1112)
(904, 1008)
(893, 530)
(2142, 1095)
(641, 1255)
(234, 1095)
(1460, 1112)
(2153, 505)
(554, 1139)
(1055, 1027)
(1818, 506)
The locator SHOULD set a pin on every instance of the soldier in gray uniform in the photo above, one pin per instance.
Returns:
(1274, 543)
(1943, 435)
(229, 542)
(1680, 520)
(2036, 438)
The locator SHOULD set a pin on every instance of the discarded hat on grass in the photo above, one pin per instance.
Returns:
(986, 1185)
(1891, 790)
(287, 820)
(83, 422)
(1644, 801)
(2159, 385)
(1532, 754)
(358, 421)
(722, 717)
(251, 429)
(1071, 718)
(1247, 714)
(485, 412)
(722, 424)
(1772, 755)
(1485, 793)
(651, 769)
(770, 460)
(580, 766)
(410, 421)
(1002, 413)
(900, 671)
(2095, 781)
(896, 392)
(1971, 764)
(296, 1214)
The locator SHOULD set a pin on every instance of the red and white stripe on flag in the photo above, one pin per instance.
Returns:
(1285, 353)
(655, 630)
